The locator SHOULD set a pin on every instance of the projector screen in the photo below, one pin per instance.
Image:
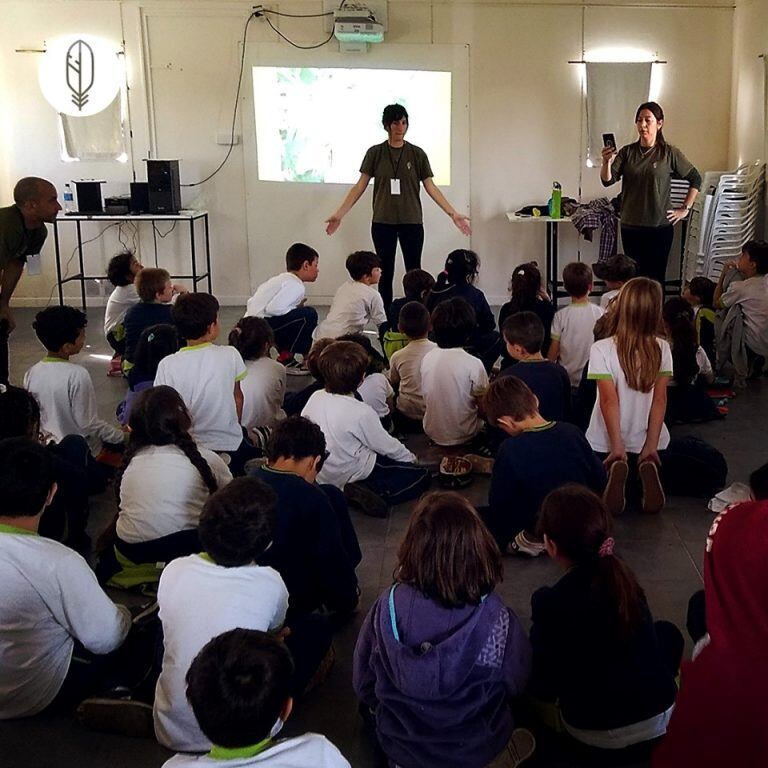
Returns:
(315, 124)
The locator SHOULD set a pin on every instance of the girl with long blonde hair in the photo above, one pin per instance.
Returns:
(632, 367)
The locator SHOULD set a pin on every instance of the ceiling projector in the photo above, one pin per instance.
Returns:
(356, 24)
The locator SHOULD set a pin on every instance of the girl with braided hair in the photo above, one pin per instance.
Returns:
(164, 481)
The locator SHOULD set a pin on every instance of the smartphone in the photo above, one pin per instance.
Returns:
(609, 140)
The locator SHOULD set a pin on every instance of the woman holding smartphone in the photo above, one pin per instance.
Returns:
(646, 168)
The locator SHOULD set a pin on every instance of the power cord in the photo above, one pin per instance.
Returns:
(296, 45)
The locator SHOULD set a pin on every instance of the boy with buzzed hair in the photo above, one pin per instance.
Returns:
(280, 301)
(357, 302)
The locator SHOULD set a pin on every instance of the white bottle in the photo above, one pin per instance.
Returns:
(69, 199)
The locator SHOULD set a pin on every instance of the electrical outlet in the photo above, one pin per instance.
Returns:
(225, 137)
(258, 11)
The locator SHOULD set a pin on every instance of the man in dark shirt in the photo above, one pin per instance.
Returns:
(22, 234)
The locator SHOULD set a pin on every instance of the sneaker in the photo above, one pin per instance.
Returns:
(524, 545)
(115, 366)
(368, 502)
(653, 493)
(121, 715)
(613, 495)
(294, 368)
(520, 747)
(481, 465)
(260, 437)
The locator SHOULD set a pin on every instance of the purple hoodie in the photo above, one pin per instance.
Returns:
(439, 680)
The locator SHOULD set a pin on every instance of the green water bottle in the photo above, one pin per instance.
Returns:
(555, 207)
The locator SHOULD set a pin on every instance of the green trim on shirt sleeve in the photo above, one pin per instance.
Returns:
(241, 376)
(663, 373)
(600, 376)
(554, 336)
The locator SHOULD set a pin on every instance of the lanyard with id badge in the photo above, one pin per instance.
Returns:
(394, 183)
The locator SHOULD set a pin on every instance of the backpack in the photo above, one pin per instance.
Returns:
(692, 467)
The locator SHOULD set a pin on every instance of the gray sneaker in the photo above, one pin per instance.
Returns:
(366, 500)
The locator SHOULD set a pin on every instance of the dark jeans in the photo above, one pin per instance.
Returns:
(396, 481)
(696, 620)
(346, 529)
(671, 645)
(309, 641)
(486, 347)
(385, 237)
(242, 454)
(293, 330)
(406, 425)
(5, 362)
(649, 247)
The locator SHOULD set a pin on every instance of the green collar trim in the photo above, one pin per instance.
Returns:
(580, 303)
(190, 348)
(234, 753)
(532, 360)
(19, 531)
(541, 427)
(51, 359)
(205, 556)
(267, 468)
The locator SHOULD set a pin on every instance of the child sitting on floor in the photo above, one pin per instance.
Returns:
(121, 272)
(405, 367)
(295, 401)
(537, 457)
(264, 383)
(574, 325)
(64, 390)
(439, 656)
(615, 271)
(280, 301)
(451, 378)
(239, 688)
(700, 294)
(373, 468)
(375, 389)
(524, 336)
(357, 302)
(202, 596)
(598, 656)
(417, 283)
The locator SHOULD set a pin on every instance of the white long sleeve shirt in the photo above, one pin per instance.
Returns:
(354, 306)
(67, 401)
(353, 436)
(277, 296)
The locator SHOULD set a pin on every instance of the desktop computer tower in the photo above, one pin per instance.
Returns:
(164, 186)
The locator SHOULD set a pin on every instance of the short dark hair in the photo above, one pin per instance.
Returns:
(413, 320)
(250, 336)
(193, 313)
(577, 278)
(119, 269)
(313, 357)
(28, 189)
(525, 329)
(19, 413)
(362, 263)
(295, 438)
(758, 483)
(417, 282)
(297, 254)
(447, 553)
(392, 113)
(342, 366)
(151, 281)
(26, 476)
(453, 321)
(57, 326)
(617, 269)
(508, 396)
(757, 251)
(704, 289)
(238, 684)
(238, 522)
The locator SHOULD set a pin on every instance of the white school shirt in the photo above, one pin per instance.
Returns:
(200, 600)
(752, 294)
(118, 303)
(278, 296)
(353, 437)
(263, 392)
(354, 306)
(308, 751)
(450, 380)
(606, 298)
(573, 326)
(376, 391)
(162, 492)
(205, 377)
(67, 402)
(50, 597)
(634, 406)
(405, 370)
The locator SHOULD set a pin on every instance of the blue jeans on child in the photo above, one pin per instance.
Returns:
(293, 330)
(396, 481)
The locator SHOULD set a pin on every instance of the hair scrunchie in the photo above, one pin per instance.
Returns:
(606, 548)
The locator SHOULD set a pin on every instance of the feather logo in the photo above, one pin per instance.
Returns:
(80, 72)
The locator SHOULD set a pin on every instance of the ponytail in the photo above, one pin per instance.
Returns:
(524, 287)
(681, 334)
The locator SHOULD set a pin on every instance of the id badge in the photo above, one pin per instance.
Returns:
(394, 186)
(34, 265)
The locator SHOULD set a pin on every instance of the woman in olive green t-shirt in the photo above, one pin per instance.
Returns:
(646, 168)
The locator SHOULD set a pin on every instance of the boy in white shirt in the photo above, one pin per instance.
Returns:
(373, 468)
(208, 379)
(573, 326)
(280, 301)
(452, 380)
(121, 272)
(202, 596)
(357, 302)
(405, 367)
(54, 617)
(239, 689)
(615, 270)
(64, 390)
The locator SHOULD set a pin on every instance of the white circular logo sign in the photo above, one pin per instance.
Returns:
(80, 74)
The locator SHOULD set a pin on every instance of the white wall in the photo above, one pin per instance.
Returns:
(525, 113)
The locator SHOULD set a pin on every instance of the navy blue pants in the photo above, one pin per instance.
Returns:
(293, 331)
(385, 237)
(396, 481)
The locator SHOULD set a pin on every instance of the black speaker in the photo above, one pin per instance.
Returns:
(164, 186)
(89, 196)
(139, 197)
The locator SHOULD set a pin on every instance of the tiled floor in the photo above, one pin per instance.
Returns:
(664, 551)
